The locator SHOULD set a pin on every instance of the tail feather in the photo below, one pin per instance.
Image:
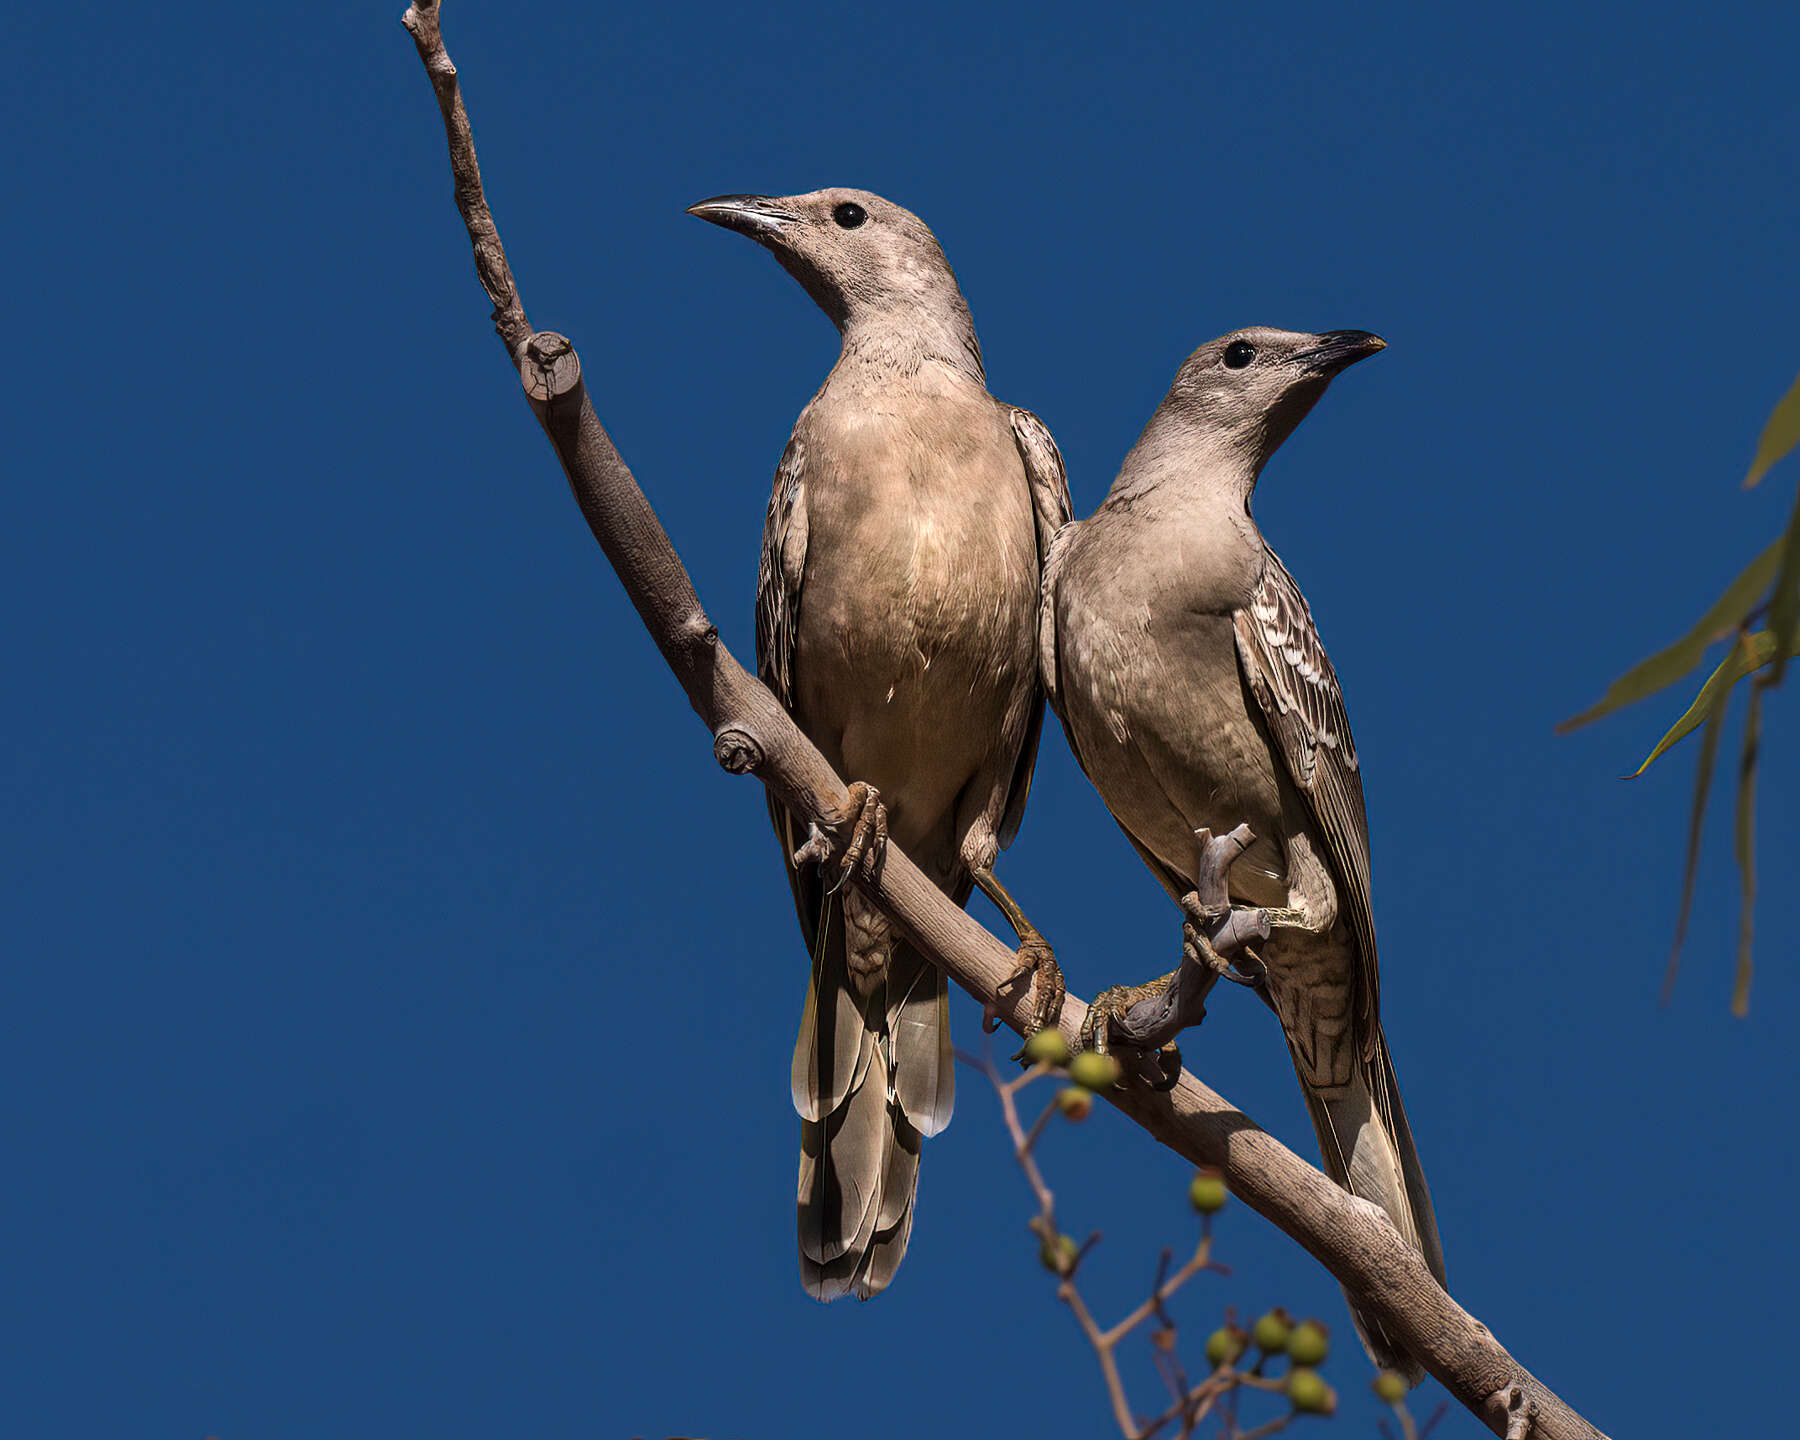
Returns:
(885, 1254)
(842, 1162)
(831, 1055)
(899, 1179)
(872, 1076)
(1418, 1193)
(918, 1018)
(1367, 1147)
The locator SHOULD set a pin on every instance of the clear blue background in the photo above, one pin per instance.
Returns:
(398, 1000)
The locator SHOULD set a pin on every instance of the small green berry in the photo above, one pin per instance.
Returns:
(1390, 1387)
(1207, 1193)
(1224, 1346)
(1271, 1332)
(1047, 1047)
(1058, 1255)
(1309, 1394)
(1075, 1101)
(1308, 1344)
(1094, 1070)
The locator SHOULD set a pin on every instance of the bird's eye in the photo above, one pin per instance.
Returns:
(849, 215)
(1238, 354)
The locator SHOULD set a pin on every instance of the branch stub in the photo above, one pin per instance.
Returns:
(736, 751)
(549, 368)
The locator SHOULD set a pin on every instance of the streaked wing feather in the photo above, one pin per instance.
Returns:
(1292, 678)
(1048, 481)
(779, 572)
(778, 583)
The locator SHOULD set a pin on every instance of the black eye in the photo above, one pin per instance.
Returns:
(1238, 354)
(849, 215)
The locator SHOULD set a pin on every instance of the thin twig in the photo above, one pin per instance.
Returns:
(1109, 1364)
(1202, 1260)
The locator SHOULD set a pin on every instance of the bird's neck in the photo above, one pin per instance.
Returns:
(1185, 463)
(904, 345)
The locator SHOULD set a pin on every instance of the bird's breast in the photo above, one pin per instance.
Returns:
(920, 591)
(1150, 688)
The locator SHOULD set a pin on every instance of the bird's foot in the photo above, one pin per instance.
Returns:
(1111, 1028)
(1216, 935)
(864, 819)
(1142, 1021)
(1221, 944)
(1037, 962)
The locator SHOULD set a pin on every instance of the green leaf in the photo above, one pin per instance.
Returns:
(1667, 666)
(1745, 845)
(1780, 435)
(1749, 655)
(1784, 604)
(1709, 754)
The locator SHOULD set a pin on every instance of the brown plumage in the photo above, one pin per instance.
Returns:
(896, 620)
(1196, 693)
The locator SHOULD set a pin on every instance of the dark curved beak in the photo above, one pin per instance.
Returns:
(1338, 350)
(757, 216)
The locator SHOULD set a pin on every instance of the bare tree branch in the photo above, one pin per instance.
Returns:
(752, 735)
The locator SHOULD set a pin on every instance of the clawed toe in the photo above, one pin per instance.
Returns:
(865, 817)
(1037, 962)
(1048, 991)
(1244, 968)
(1107, 1029)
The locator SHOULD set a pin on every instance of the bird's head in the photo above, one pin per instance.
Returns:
(859, 256)
(1249, 389)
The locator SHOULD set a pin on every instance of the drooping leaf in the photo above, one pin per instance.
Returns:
(1667, 666)
(1780, 435)
(1709, 754)
(1784, 604)
(1747, 656)
(1746, 845)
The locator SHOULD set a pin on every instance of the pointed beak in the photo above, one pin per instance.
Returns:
(1338, 350)
(758, 216)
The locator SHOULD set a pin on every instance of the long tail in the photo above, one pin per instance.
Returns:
(1368, 1149)
(873, 1076)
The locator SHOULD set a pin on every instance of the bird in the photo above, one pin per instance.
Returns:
(896, 620)
(1191, 682)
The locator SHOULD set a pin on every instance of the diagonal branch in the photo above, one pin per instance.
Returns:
(753, 735)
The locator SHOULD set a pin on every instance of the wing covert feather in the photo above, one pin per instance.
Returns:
(779, 575)
(1050, 508)
(1291, 676)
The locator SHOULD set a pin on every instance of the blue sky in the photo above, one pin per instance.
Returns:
(399, 1000)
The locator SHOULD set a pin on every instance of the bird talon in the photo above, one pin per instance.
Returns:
(1195, 946)
(1157, 1067)
(866, 819)
(816, 849)
(1048, 989)
(1199, 914)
